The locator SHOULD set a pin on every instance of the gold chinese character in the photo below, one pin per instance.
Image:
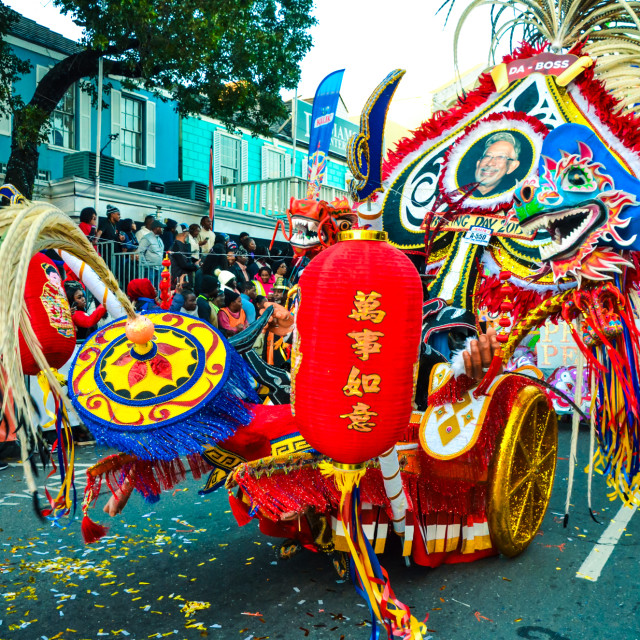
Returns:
(357, 385)
(360, 417)
(366, 342)
(367, 307)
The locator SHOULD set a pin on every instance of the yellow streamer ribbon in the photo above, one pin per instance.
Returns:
(43, 381)
(347, 478)
(63, 500)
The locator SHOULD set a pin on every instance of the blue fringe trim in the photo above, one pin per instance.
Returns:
(214, 422)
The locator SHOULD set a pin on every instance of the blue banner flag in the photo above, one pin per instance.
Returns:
(325, 105)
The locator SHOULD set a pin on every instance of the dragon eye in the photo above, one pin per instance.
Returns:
(526, 193)
(344, 225)
(576, 178)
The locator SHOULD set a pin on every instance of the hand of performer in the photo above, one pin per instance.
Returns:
(117, 502)
(480, 354)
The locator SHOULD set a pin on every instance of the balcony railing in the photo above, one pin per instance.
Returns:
(269, 197)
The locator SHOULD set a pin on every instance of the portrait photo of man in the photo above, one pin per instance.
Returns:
(494, 168)
(494, 163)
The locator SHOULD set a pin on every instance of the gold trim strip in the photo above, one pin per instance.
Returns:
(363, 234)
(348, 467)
(397, 494)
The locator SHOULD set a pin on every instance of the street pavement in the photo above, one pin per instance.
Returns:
(182, 568)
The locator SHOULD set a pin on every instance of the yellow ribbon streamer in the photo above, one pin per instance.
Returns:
(347, 477)
(63, 500)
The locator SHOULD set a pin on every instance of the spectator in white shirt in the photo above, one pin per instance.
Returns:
(206, 234)
(144, 230)
(151, 250)
(193, 238)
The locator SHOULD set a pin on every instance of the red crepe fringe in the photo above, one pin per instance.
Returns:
(452, 391)
(296, 491)
(625, 126)
(198, 465)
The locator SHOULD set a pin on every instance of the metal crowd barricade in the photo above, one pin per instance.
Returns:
(127, 266)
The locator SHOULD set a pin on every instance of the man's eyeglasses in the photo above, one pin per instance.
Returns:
(487, 157)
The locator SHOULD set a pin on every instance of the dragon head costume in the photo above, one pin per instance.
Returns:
(585, 199)
(314, 224)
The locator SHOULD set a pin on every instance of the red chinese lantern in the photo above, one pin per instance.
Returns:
(359, 333)
(49, 315)
(353, 373)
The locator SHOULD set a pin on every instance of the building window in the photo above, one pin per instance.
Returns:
(62, 133)
(274, 164)
(230, 159)
(131, 130)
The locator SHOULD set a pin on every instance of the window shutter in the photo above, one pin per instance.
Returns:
(151, 134)
(216, 157)
(287, 165)
(116, 108)
(41, 72)
(244, 168)
(84, 121)
(305, 168)
(264, 172)
(5, 124)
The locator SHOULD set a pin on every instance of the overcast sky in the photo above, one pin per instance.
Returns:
(368, 38)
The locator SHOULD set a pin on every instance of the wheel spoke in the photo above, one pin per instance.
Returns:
(523, 508)
(543, 433)
(525, 452)
(518, 484)
(528, 508)
(545, 456)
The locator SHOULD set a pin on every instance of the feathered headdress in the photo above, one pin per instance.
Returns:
(608, 31)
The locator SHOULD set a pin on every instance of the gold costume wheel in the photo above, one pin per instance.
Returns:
(523, 467)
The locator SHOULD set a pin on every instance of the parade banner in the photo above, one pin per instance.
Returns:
(325, 105)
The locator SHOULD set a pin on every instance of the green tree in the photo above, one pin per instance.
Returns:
(228, 59)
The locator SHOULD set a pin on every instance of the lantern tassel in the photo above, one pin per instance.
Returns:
(370, 579)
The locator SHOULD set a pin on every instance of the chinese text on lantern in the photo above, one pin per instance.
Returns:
(365, 343)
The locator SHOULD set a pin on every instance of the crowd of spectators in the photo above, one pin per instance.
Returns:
(223, 281)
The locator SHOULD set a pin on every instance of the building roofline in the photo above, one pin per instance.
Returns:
(30, 31)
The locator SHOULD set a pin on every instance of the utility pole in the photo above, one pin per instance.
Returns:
(96, 200)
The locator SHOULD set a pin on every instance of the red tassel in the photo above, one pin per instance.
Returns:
(92, 531)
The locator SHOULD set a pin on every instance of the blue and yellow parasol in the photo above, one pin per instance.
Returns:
(160, 386)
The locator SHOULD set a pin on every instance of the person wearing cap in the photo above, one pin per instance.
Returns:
(145, 228)
(280, 289)
(151, 251)
(169, 234)
(111, 238)
(239, 268)
(226, 279)
(109, 226)
(181, 261)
